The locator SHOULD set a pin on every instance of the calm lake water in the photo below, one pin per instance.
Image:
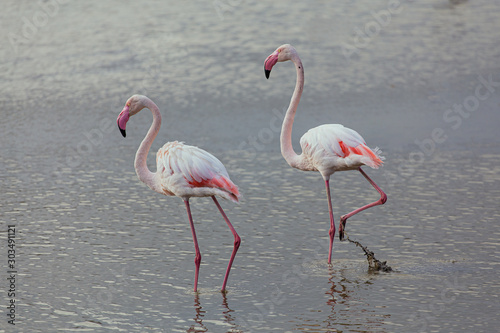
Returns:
(97, 251)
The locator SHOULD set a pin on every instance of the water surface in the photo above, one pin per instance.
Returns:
(98, 251)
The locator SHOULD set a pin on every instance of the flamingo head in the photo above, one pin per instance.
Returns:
(134, 104)
(283, 53)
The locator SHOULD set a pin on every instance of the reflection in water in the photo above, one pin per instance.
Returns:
(346, 308)
(199, 326)
(337, 288)
(339, 295)
(227, 314)
(198, 319)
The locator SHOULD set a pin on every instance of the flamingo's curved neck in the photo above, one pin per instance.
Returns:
(286, 131)
(141, 167)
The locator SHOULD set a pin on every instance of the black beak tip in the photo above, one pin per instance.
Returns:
(122, 131)
(267, 72)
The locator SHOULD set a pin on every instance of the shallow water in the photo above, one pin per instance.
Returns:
(98, 251)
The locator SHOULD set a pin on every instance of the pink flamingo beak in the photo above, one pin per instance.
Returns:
(122, 120)
(270, 62)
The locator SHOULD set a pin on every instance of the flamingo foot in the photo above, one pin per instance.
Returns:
(342, 227)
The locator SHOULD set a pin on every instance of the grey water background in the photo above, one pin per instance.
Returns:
(97, 251)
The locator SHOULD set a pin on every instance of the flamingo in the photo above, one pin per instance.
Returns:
(326, 148)
(183, 171)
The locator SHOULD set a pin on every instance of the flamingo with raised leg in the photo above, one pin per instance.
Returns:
(326, 148)
(183, 171)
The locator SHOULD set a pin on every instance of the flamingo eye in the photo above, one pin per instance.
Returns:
(128, 104)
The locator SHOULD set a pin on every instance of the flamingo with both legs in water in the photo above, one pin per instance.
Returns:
(183, 171)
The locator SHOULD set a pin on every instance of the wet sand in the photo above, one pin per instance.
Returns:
(98, 251)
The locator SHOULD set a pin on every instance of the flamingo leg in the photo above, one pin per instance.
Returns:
(237, 242)
(381, 201)
(197, 258)
(332, 223)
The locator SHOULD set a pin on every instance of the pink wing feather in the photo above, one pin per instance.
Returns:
(198, 167)
(337, 140)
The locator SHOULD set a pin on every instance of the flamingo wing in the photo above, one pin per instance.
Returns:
(198, 168)
(335, 140)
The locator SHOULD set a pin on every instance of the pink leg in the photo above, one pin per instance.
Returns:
(237, 241)
(197, 258)
(381, 201)
(332, 223)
